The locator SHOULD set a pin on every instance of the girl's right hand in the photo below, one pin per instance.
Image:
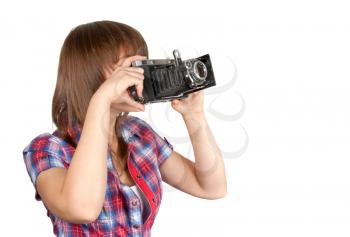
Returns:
(114, 89)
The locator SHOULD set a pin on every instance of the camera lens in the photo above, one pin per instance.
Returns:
(200, 70)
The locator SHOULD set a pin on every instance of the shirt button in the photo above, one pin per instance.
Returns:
(138, 176)
(136, 226)
(134, 203)
(153, 199)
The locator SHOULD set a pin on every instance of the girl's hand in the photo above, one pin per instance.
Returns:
(192, 105)
(114, 89)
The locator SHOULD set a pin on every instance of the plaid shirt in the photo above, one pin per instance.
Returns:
(121, 213)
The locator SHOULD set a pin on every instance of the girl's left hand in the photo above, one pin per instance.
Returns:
(193, 104)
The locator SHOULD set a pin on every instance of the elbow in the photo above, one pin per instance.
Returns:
(83, 214)
(81, 208)
(222, 194)
(221, 191)
(218, 195)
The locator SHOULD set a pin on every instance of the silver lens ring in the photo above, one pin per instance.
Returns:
(200, 70)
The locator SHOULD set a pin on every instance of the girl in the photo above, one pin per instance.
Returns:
(100, 172)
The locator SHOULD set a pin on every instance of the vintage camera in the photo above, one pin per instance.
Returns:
(167, 79)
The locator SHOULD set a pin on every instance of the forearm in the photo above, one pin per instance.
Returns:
(85, 182)
(209, 165)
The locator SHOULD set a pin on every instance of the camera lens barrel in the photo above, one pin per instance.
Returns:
(200, 70)
(196, 72)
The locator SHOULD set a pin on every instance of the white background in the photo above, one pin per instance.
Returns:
(292, 72)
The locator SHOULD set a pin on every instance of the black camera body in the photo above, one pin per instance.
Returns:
(167, 79)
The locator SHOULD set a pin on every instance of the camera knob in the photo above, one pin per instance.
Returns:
(188, 64)
(133, 93)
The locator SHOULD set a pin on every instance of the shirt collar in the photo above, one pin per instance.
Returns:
(74, 132)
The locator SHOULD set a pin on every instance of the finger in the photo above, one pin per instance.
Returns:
(127, 61)
(134, 69)
(137, 82)
(139, 89)
(125, 98)
(138, 85)
(137, 75)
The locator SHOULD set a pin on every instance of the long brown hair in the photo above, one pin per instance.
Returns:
(87, 51)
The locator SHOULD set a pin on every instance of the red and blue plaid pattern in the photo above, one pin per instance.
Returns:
(121, 213)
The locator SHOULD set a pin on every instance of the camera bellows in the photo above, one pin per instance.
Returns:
(165, 80)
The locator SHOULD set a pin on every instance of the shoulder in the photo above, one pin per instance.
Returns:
(43, 152)
(45, 142)
(134, 126)
(136, 122)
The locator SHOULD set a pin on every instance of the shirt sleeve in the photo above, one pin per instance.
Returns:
(41, 154)
(163, 147)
